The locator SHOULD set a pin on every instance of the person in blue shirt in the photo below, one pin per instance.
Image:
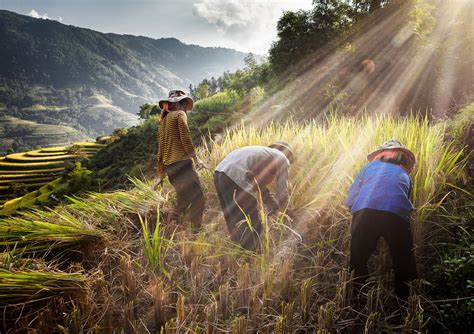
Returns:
(379, 200)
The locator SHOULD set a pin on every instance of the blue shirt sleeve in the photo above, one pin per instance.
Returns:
(355, 188)
(405, 183)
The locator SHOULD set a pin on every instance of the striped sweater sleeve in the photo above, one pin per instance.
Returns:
(160, 168)
(185, 135)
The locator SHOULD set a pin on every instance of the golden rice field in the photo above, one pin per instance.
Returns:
(33, 169)
(137, 273)
(42, 153)
(24, 157)
(29, 180)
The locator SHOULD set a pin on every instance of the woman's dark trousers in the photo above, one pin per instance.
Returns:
(236, 205)
(367, 227)
(185, 181)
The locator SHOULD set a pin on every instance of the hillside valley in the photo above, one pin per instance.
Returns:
(60, 75)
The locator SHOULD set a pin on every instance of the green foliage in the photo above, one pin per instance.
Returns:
(455, 281)
(459, 129)
(422, 19)
(336, 99)
(80, 178)
(131, 155)
(203, 91)
(119, 132)
(147, 110)
(155, 246)
(42, 231)
(213, 114)
(242, 81)
(302, 32)
(73, 149)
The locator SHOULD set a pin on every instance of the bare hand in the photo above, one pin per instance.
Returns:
(158, 183)
(199, 163)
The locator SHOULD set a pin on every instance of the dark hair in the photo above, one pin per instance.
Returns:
(178, 105)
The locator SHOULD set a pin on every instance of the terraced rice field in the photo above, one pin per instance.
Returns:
(31, 170)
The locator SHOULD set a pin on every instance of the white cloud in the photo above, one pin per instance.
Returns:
(36, 15)
(251, 24)
(231, 16)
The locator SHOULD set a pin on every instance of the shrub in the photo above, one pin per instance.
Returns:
(455, 282)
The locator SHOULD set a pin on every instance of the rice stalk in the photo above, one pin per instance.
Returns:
(244, 285)
(326, 318)
(31, 286)
(224, 301)
(180, 310)
(210, 311)
(32, 234)
(415, 320)
(240, 325)
(371, 324)
(305, 299)
(284, 323)
(159, 303)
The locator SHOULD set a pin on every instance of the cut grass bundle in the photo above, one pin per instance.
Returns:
(31, 234)
(30, 286)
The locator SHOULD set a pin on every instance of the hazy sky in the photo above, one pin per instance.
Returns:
(248, 26)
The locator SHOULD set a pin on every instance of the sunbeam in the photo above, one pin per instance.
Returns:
(388, 70)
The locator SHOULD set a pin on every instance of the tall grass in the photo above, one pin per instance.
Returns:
(330, 154)
(155, 246)
(160, 277)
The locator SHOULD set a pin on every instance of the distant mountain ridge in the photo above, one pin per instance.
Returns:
(59, 67)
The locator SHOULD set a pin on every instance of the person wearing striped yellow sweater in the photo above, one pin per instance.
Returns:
(176, 155)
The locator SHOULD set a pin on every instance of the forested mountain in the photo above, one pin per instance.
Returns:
(57, 74)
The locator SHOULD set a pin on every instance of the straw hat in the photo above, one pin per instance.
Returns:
(392, 144)
(177, 96)
(285, 148)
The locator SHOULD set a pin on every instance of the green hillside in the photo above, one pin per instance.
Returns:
(17, 134)
(57, 74)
